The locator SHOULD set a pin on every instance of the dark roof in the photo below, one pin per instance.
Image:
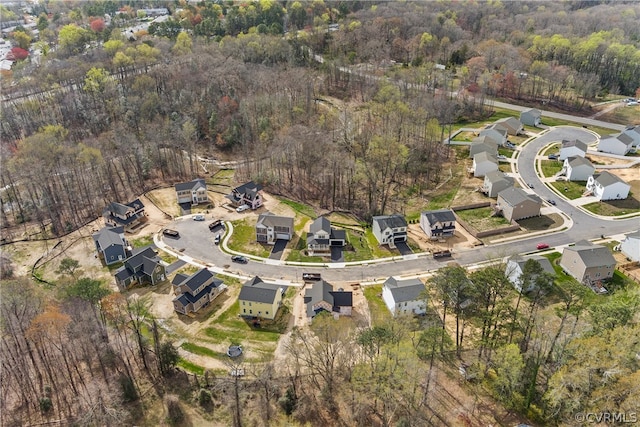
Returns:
(544, 262)
(405, 290)
(248, 187)
(179, 278)
(514, 196)
(268, 219)
(258, 291)
(187, 298)
(592, 255)
(191, 185)
(574, 143)
(338, 234)
(575, 161)
(199, 278)
(440, 215)
(320, 224)
(606, 178)
(323, 291)
(313, 241)
(108, 236)
(123, 273)
(390, 221)
(342, 299)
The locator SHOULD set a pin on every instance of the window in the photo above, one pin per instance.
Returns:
(405, 304)
(266, 312)
(243, 302)
(249, 304)
(250, 311)
(244, 310)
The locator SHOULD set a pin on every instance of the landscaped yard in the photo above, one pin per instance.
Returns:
(550, 167)
(570, 189)
(552, 149)
(614, 207)
(141, 242)
(481, 219)
(243, 239)
(504, 167)
(505, 152)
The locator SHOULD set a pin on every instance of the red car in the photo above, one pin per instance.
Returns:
(542, 246)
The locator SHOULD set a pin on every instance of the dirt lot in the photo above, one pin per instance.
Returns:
(602, 160)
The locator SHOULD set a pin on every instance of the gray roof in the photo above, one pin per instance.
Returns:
(534, 112)
(515, 196)
(486, 139)
(108, 236)
(634, 235)
(592, 255)
(320, 223)
(268, 219)
(323, 291)
(258, 291)
(625, 139)
(544, 262)
(440, 215)
(574, 143)
(179, 278)
(498, 127)
(191, 185)
(575, 161)
(405, 290)
(484, 157)
(187, 298)
(605, 178)
(390, 221)
(497, 176)
(511, 122)
(115, 208)
(198, 279)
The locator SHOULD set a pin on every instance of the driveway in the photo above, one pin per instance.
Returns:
(404, 248)
(174, 266)
(337, 254)
(278, 248)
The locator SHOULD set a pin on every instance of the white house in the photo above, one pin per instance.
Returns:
(573, 148)
(630, 246)
(390, 229)
(607, 186)
(438, 223)
(620, 144)
(483, 163)
(634, 133)
(404, 296)
(270, 228)
(515, 268)
(530, 117)
(577, 168)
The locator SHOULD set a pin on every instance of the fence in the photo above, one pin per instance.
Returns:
(480, 234)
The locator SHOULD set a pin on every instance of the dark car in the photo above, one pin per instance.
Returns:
(552, 157)
(216, 239)
(239, 259)
(171, 233)
(311, 276)
(551, 202)
(214, 224)
(530, 185)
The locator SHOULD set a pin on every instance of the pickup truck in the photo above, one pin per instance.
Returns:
(170, 233)
(214, 224)
(307, 277)
(442, 254)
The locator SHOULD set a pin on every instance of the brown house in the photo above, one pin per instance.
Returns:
(515, 204)
(588, 263)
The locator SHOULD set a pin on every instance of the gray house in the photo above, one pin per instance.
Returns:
(111, 244)
(143, 267)
(321, 297)
(128, 216)
(634, 133)
(515, 204)
(196, 291)
(495, 182)
(511, 125)
(572, 148)
(270, 228)
(484, 163)
(439, 223)
(531, 117)
(515, 268)
(497, 133)
(483, 144)
(390, 229)
(322, 237)
(246, 194)
(192, 192)
(588, 263)
(404, 296)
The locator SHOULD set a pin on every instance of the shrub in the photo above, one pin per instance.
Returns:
(175, 414)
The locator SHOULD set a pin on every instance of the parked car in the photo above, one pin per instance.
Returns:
(632, 103)
(171, 233)
(530, 185)
(311, 276)
(242, 208)
(552, 157)
(542, 246)
(551, 202)
(502, 157)
(216, 240)
(198, 217)
(215, 223)
(239, 259)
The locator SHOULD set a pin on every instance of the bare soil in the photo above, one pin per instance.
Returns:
(603, 160)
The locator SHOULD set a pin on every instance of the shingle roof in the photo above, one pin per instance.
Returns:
(575, 161)
(187, 298)
(108, 236)
(179, 278)
(313, 241)
(533, 112)
(625, 139)
(191, 185)
(544, 262)
(484, 157)
(268, 219)
(258, 291)
(574, 143)
(515, 196)
(497, 176)
(405, 290)
(390, 221)
(634, 235)
(605, 178)
(440, 215)
(320, 223)
(199, 278)
(322, 291)
(592, 255)
(338, 234)
(498, 127)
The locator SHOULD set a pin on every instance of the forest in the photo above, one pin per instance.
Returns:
(341, 105)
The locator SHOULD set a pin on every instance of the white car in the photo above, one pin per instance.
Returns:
(502, 157)
(198, 217)
(242, 208)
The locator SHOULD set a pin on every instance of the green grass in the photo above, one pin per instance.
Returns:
(551, 149)
(614, 207)
(243, 239)
(141, 241)
(443, 200)
(376, 250)
(201, 351)
(360, 244)
(232, 329)
(505, 152)
(543, 222)
(191, 367)
(550, 167)
(379, 312)
(481, 220)
(298, 207)
(574, 189)
(557, 122)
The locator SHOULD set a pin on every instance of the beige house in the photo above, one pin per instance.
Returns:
(259, 299)
(495, 182)
(588, 263)
(515, 204)
(192, 192)
(512, 125)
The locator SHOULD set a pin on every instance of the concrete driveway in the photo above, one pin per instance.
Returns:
(278, 249)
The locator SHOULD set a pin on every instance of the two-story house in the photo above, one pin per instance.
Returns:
(128, 216)
(515, 268)
(111, 244)
(572, 148)
(390, 229)
(143, 267)
(196, 291)
(483, 144)
(192, 192)
(484, 163)
(322, 237)
(630, 246)
(633, 132)
(577, 168)
(495, 182)
(620, 144)
(321, 297)
(246, 194)
(512, 125)
(438, 224)
(260, 299)
(516, 204)
(496, 133)
(404, 296)
(588, 263)
(607, 186)
(531, 117)
(270, 228)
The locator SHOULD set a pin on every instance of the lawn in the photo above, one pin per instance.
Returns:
(505, 152)
(624, 115)
(299, 207)
(504, 167)
(243, 239)
(141, 242)
(443, 200)
(551, 149)
(191, 367)
(550, 167)
(557, 122)
(202, 351)
(481, 220)
(543, 222)
(570, 189)
(614, 207)
(379, 312)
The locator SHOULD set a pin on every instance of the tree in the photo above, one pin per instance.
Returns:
(509, 366)
(22, 39)
(112, 46)
(18, 54)
(72, 38)
(90, 290)
(168, 357)
(453, 289)
(183, 44)
(97, 25)
(68, 266)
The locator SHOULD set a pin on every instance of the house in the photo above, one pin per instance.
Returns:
(512, 125)
(321, 237)
(192, 192)
(573, 148)
(321, 297)
(515, 204)
(588, 263)
(111, 244)
(246, 194)
(634, 133)
(128, 216)
(404, 296)
(390, 229)
(259, 299)
(496, 133)
(577, 168)
(620, 144)
(630, 246)
(607, 186)
(483, 163)
(531, 117)
(439, 223)
(495, 182)
(143, 267)
(515, 268)
(483, 144)
(270, 228)
(195, 291)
